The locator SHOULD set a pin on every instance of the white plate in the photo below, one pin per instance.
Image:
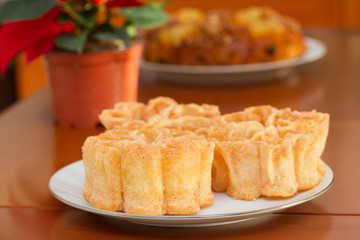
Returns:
(67, 186)
(232, 74)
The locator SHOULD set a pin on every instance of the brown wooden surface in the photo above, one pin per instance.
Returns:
(33, 148)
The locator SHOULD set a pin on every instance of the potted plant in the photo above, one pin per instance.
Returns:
(92, 49)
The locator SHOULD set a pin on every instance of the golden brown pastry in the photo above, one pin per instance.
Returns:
(164, 157)
(217, 37)
(122, 112)
(312, 129)
(137, 115)
(191, 123)
(150, 171)
(299, 136)
(278, 164)
(236, 165)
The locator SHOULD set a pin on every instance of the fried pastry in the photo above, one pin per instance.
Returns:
(257, 113)
(300, 137)
(192, 109)
(120, 113)
(312, 128)
(191, 123)
(149, 171)
(166, 158)
(278, 164)
(155, 113)
(253, 161)
(236, 165)
(103, 183)
(158, 108)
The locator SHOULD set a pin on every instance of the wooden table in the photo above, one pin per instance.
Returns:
(32, 149)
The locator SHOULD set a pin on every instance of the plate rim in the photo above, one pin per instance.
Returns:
(181, 218)
(315, 47)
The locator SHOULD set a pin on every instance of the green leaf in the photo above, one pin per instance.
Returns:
(64, 18)
(131, 31)
(87, 19)
(105, 27)
(145, 16)
(90, 18)
(116, 34)
(71, 42)
(15, 10)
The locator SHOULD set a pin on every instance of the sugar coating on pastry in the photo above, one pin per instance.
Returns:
(158, 108)
(236, 159)
(291, 145)
(102, 186)
(149, 171)
(278, 164)
(137, 115)
(256, 113)
(166, 158)
(191, 123)
(120, 113)
(192, 109)
(312, 129)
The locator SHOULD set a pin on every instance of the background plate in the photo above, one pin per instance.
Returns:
(67, 186)
(235, 74)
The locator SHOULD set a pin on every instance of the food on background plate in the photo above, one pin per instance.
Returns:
(219, 37)
(164, 157)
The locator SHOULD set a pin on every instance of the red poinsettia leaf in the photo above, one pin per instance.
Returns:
(41, 46)
(67, 27)
(17, 36)
(123, 3)
(46, 43)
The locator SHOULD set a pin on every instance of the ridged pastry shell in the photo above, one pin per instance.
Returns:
(278, 164)
(291, 146)
(150, 171)
(236, 165)
(134, 115)
(312, 128)
(173, 154)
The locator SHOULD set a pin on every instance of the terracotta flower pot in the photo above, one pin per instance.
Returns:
(82, 85)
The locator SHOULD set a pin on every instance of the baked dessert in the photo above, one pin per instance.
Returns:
(252, 35)
(149, 171)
